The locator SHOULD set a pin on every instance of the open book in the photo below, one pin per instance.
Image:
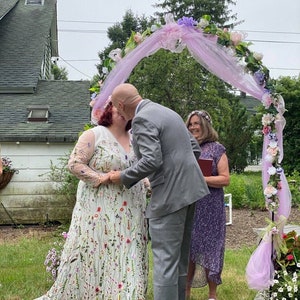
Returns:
(205, 166)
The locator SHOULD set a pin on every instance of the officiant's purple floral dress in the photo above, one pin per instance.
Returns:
(105, 254)
(208, 234)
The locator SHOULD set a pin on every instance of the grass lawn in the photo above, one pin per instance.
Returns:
(23, 275)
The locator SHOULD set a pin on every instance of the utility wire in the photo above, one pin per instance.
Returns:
(66, 61)
(86, 22)
(276, 42)
(83, 30)
(105, 32)
(248, 40)
(110, 22)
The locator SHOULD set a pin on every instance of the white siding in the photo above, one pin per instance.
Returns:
(29, 198)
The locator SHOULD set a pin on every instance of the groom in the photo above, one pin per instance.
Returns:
(166, 155)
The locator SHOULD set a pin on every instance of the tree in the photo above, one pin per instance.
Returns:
(237, 136)
(217, 9)
(179, 82)
(289, 88)
(59, 73)
(119, 34)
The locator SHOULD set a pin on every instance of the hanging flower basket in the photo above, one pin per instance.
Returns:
(8, 172)
(5, 178)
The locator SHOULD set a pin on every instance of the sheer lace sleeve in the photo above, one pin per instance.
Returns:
(80, 157)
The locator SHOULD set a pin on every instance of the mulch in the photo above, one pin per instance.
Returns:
(239, 234)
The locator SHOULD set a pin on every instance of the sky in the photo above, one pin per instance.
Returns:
(273, 26)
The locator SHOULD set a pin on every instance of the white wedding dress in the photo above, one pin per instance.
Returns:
(105, 254)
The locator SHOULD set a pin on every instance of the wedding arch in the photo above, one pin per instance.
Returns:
(227, 56)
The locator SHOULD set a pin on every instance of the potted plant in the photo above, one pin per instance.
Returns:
(286, 282)
(8, 172)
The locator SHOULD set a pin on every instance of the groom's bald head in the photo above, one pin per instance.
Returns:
(125, 97)
(125, 93)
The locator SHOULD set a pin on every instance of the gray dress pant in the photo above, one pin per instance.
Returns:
(170, 241)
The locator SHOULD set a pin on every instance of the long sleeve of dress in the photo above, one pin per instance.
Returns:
(80, 157)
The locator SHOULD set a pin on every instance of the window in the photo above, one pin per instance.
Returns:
(34, 2)
(38, 113)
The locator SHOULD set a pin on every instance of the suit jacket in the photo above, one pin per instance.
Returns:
(166, 153)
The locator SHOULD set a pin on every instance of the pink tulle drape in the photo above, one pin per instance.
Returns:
(204, 49)
(222, 62)
(259, 270)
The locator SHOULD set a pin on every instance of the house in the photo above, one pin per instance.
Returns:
(40, 118)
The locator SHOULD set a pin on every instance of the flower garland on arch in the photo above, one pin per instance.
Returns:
(233, 41)
(175, 36)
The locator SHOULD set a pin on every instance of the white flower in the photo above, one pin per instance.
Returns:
(273, 144)
(115, 54)
(104, 70)
(269, 158)
(267, 119)
(258, 56)
(272, 171)
(203, 23)
(279, 103)
(154, 28)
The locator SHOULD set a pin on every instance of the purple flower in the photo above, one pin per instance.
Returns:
(187, 21)
(260, 77)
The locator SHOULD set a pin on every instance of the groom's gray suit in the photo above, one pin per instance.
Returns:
(166, 155)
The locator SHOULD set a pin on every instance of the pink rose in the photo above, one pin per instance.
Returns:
(272, 151)
(267, 100)
(236, 37)
(266, 130)
(270, 191)
(290, 257)
(279, 185)
(138, 38)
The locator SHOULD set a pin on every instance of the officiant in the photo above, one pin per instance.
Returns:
(208, 233)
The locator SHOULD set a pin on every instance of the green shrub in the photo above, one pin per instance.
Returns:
(246, 190)
(66, 181)
(294, 184)
(237, 189)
